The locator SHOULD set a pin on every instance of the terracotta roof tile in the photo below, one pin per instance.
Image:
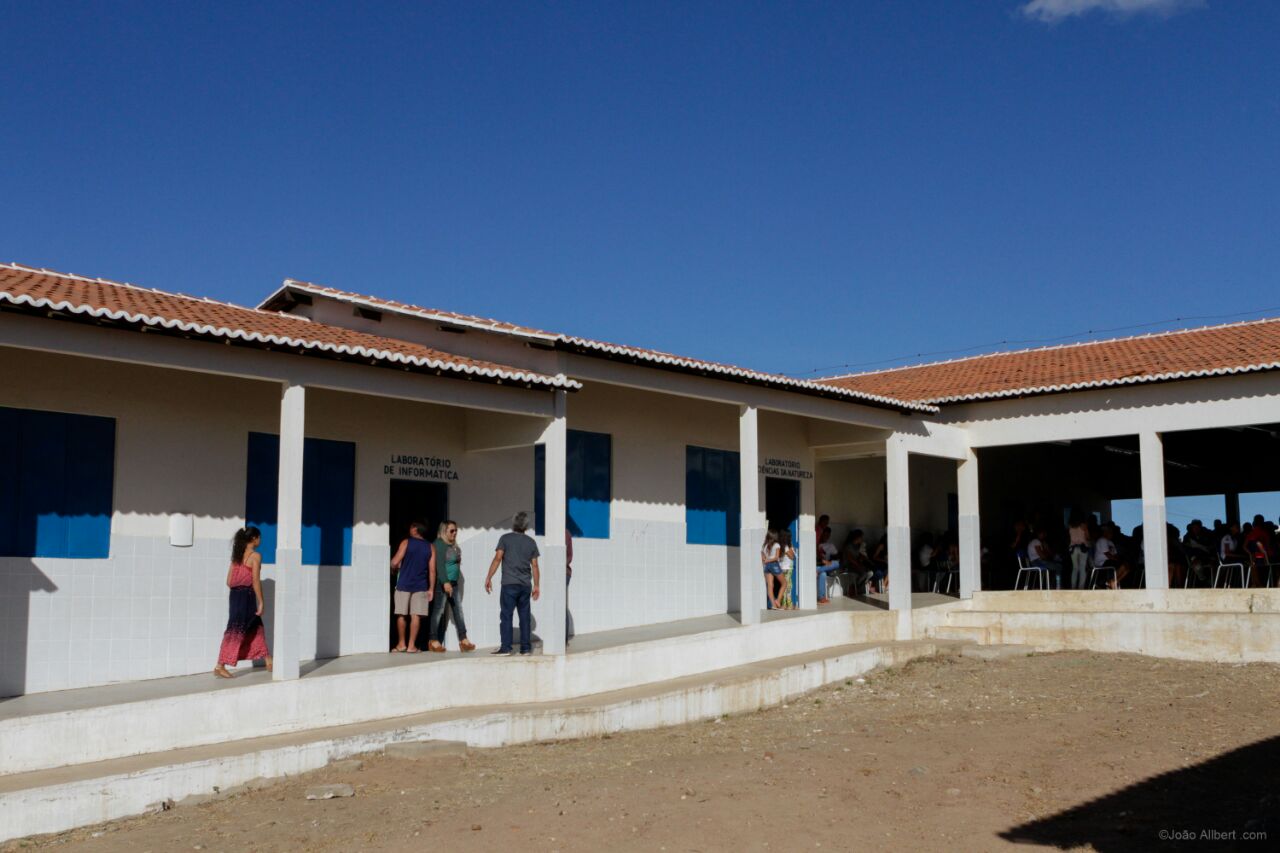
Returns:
(78, 295)
(588, 345)
(1190, 353)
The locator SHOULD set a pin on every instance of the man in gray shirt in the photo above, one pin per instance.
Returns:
(517, 553)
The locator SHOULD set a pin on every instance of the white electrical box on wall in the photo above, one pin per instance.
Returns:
(182, 530)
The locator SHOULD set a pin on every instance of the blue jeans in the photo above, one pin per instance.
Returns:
(1052, 566)
(823, 571)
(516, 597)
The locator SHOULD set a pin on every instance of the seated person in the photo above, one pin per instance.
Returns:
(1041, 556)
(855, 568)
(1105, 556)
(1199, 550)
(827, 562)
(1260, 546)
(924, 563)
(880, 562)
(1229, 549)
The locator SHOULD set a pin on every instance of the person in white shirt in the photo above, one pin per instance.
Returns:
(1040, 556)
(827, 562)
(1078, 536)
(1105, 556)
(924, 563)
(1229, 547)
(770, 555)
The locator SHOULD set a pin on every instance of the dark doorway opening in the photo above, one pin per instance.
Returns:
(782, 511)
(413, 500)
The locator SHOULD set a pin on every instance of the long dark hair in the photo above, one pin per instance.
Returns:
(241, 541)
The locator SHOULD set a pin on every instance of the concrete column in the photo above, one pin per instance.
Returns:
(898, 525)
(553, 595)
(750, 572)
(287, 637)
(807, 544)
(970, 536)
(1155, 544)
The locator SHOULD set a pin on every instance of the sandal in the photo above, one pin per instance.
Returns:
(399, 650)
(221, 672)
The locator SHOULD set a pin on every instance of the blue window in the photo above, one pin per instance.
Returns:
(711, 504)
(57, 485)
(328, 497)
(588, 484)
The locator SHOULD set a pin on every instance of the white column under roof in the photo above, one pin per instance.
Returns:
(806, 569)
(553, 592)
(286, 645)
(897, 470)
(970, 528)
(750, 570)
(1155, 543)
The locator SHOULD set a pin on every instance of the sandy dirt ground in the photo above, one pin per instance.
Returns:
(1076, 751)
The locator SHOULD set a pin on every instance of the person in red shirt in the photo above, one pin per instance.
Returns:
(1261, 548)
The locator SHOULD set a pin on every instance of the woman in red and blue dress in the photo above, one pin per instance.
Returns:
(244, 638)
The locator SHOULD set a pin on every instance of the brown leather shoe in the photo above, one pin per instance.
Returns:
(467, 645)
(435, 646)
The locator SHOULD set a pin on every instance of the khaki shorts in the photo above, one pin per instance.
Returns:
(412, 603)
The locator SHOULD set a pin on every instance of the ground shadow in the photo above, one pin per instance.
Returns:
(19, 581)
(1233, 795)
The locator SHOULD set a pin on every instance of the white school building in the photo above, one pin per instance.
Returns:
(141, 428)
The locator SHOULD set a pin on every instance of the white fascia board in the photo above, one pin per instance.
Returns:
(1225, 401)
(717, 390)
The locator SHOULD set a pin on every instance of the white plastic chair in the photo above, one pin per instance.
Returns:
(1093, 575)
(1224, 571)
(951, 572)
(1025, 566)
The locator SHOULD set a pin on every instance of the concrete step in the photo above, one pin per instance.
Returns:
(997, 652)
(973, 634)
(55, 800)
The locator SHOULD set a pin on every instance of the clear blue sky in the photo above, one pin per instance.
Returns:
(784, 186)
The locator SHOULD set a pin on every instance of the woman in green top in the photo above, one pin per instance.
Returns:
(448, 588)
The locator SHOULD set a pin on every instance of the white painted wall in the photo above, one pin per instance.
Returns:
(646, 572)
(851, 491)
(152, 610)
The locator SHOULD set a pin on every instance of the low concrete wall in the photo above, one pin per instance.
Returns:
(1132, 600)
(1229, 626)
(39, 741)
(62, 805)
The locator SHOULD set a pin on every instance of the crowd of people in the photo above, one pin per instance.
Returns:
(1086, 553)
(428, 579)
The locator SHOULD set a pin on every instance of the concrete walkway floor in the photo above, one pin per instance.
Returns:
(185, 685)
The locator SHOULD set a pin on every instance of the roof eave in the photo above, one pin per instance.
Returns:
(629, 356)
(259, 340)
